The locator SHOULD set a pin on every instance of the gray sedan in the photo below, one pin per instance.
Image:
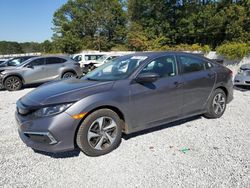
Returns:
(243, 76)
(132, 93)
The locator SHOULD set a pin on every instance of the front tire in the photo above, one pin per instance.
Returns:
(216, 105)
(13, 83)
(100, 133)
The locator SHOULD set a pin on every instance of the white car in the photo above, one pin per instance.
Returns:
(106, 59)
(87, 59)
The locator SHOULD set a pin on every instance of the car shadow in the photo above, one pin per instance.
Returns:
(160, 127)
(60, 155)
(76, 152)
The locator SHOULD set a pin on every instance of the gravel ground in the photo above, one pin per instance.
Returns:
(217, 154)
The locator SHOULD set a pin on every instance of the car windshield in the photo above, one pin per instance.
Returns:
(14, 62)
(118, 69)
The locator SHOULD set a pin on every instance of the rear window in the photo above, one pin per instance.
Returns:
(54, 60)
(92, 57)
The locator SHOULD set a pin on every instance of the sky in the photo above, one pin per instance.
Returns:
(27, 20)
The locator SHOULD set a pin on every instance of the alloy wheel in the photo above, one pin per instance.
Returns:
(13, 83)
(68, 75)
(219, 103)
(102, 133)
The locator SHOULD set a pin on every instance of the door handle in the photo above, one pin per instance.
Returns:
(178, 84)
(210, 75)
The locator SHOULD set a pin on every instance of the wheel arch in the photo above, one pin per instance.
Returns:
(110, 107)
(17, 75)
(223, 88)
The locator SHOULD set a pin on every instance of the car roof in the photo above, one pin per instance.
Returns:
(156, 54)
(59, 56)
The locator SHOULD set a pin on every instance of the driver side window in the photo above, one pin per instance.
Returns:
(37, 62)
(164, 66)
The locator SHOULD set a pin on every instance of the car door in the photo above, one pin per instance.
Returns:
(198, 80)
(34, 71)
(53, 65)
(160, 101)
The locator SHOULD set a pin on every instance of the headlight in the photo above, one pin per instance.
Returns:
(51, 110)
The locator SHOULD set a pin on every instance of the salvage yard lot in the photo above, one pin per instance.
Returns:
(215, 154)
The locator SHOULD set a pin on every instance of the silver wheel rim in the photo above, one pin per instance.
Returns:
(13, 83)
(102, 133)
(219, 103)
(68, 75)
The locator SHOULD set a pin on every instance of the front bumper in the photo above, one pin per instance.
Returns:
(1, 82)
(49, 134)
(242, 80)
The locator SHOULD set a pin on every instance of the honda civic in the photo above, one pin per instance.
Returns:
(132, 93)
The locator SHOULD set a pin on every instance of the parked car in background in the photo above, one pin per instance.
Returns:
(106, 59)
(14, 61)
(243, 76)
(97, 63)
(39, 70)
(2, 61)
(132, 93)
(87, 59)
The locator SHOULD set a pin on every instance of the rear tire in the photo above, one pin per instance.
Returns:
(216, 105)
(67, 75)
(100, 133)
(13, 83)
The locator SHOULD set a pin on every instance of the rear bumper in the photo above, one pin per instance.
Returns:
(50, 134)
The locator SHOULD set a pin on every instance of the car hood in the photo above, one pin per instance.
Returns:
(7, 68)
(64, 91)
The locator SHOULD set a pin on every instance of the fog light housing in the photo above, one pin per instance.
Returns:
(41, 137)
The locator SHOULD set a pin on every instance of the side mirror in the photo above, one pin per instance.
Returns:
(30, 66)
(147, 77)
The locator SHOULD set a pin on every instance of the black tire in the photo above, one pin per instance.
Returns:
(13, 83)
(68, 74)
(211, 106)
(87, 144)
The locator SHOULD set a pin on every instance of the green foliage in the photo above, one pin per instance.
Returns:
(234, 50)
(47, 46)
(7, 47)
(84, 24)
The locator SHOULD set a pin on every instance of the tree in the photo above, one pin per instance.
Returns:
(7, 47)
(102, 23)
